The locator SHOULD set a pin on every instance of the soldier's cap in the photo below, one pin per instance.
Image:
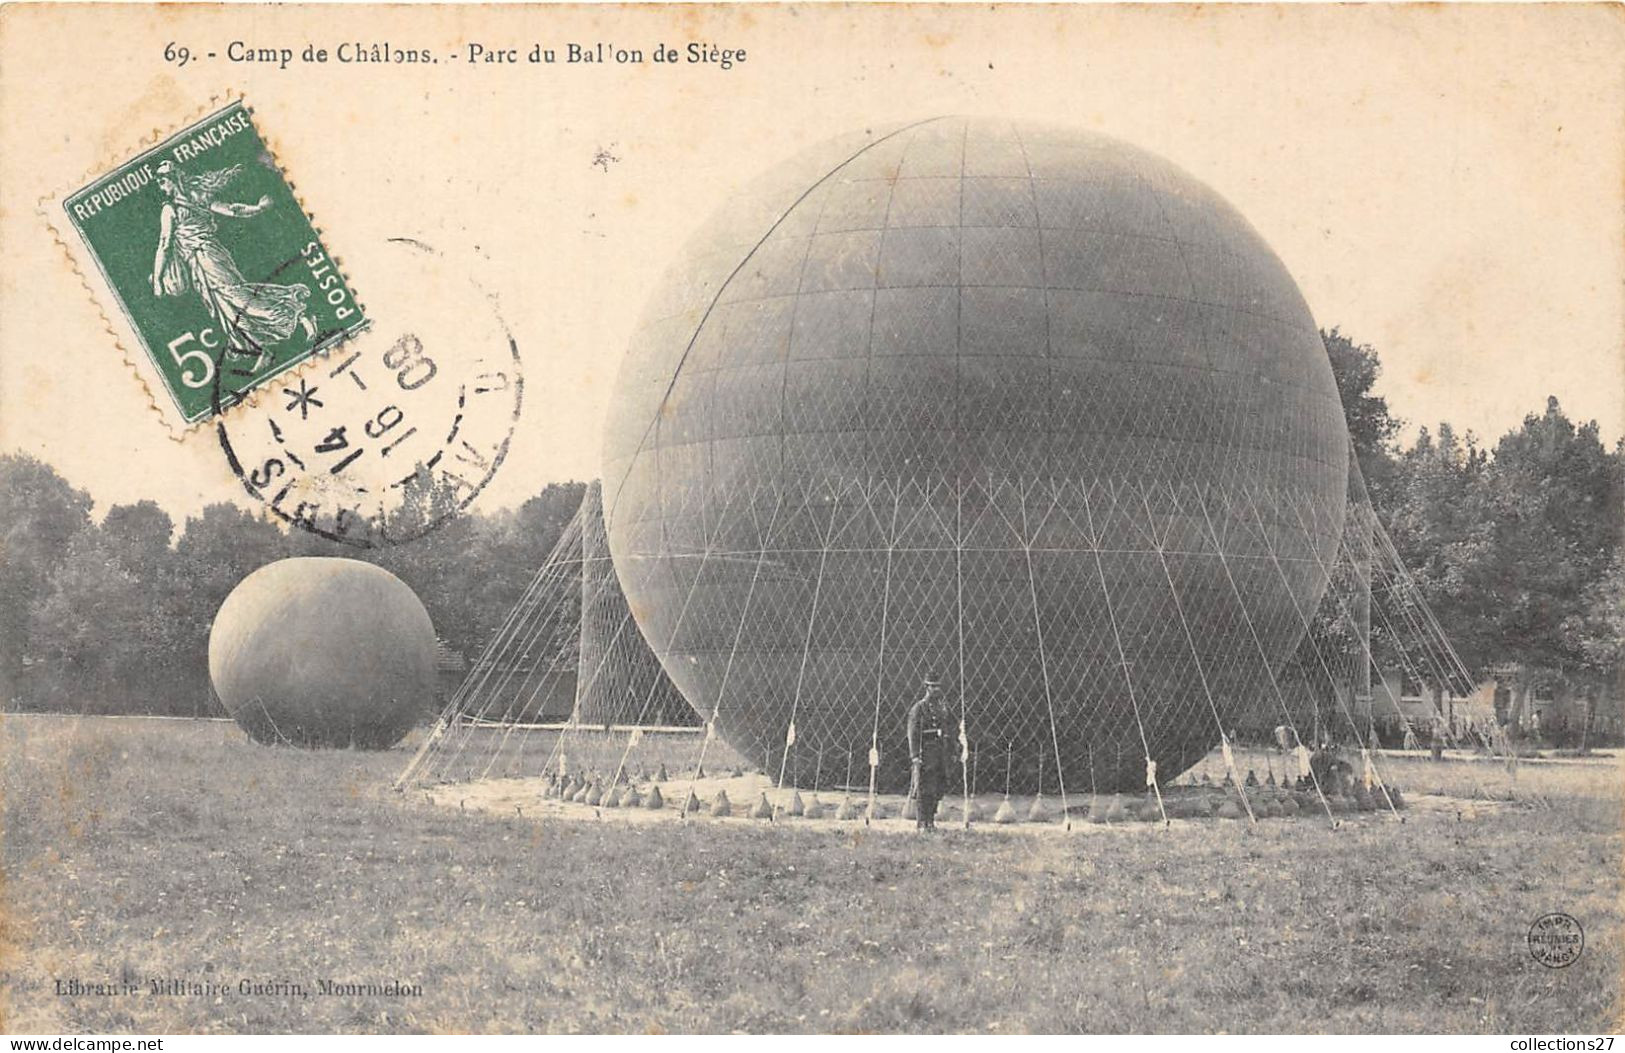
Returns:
(932, 681)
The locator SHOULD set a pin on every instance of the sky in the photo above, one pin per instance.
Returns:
(1445, 184)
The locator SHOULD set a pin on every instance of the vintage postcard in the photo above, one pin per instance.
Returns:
(909, 519)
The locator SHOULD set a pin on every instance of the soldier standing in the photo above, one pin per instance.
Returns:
(928, 754)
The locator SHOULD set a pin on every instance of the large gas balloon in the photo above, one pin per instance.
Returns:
(1027, 409)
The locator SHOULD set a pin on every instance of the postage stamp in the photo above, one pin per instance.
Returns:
(211, 272)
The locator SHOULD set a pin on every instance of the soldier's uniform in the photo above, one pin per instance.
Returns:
(928, 754)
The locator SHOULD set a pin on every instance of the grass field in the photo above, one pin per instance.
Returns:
(136, 850)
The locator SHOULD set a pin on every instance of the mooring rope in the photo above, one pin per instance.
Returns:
(1196, 659)
(1269, 546)
(1258, 643)
(806, 649)
(1117, 639)
(739, 631)
(880, 664)
(1043, 659)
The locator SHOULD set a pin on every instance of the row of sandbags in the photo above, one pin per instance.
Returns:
(1263, 802)
(1272, 802)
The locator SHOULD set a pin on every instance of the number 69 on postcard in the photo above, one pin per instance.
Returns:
(208, 263)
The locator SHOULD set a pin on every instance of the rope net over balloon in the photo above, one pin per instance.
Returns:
(1026, 410)
(1080, 631)
(567, 668)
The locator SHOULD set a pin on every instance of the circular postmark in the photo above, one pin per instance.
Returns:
(396, 430)
(1556, 940)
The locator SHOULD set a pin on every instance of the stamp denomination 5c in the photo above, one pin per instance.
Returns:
(209, 265)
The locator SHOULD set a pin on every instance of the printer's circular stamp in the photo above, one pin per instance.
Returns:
(1556, 940)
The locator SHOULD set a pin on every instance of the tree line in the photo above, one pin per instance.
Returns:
(1516, 546)
(114, 616)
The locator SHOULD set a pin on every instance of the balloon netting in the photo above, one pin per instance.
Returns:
(1079, 630)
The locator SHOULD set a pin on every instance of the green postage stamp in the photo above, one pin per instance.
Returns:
(210, 265)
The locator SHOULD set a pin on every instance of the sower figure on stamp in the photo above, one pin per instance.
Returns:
(928, 754)
(191, 258)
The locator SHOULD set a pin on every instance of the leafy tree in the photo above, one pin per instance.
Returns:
(438, 557)
(138, 537)
(1440, 518)
(115, 617)
(40, 514)
(1372, 429)
(140, 534)
(513, 546)
(225, 543)
(1558, 507)
(88, 629)
(1517, 552)
(215, 551)
(542, 519)
(1600, 627)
